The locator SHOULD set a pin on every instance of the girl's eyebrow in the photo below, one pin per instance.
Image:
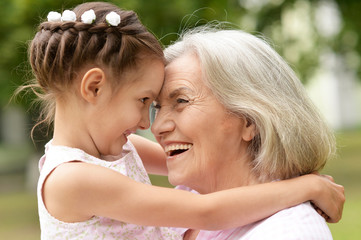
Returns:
(151, 93)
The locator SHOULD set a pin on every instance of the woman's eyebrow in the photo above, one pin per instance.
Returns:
(177, 91)
(174, 93)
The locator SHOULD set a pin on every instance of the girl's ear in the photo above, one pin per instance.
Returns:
(92, 84)
(249, 130)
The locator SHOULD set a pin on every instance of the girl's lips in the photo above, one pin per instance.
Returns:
(128, 132)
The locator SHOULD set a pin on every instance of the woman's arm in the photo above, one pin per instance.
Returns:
(151, 153)
(77, 191)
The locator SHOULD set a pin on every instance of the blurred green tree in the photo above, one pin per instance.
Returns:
(290, 24)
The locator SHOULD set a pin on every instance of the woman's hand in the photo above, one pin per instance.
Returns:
(329, 198)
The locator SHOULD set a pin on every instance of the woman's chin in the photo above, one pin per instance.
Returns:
(175, 180)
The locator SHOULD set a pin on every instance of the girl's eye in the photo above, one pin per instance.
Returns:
(144, 100)
(181, 100)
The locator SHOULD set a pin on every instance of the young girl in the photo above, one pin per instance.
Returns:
(99, 70)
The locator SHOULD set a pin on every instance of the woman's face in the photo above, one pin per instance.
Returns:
(204, 143)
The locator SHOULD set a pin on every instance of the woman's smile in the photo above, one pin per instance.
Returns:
(177, 148)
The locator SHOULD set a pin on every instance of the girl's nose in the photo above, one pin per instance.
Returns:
(144, 122)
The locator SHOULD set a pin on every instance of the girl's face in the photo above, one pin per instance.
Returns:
(127, 109)
(203, 141)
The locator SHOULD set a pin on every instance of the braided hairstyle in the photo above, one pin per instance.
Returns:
(61, 49)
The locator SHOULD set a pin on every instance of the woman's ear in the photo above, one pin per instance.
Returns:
(92, 84)
(249, 130)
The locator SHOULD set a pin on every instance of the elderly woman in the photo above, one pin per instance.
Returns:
(232, 113)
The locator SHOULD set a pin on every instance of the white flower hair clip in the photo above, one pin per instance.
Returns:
(54, 17)
(68, 16)
(113, 19)
(88, 17)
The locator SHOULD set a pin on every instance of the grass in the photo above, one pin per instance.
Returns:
(19, 218)
(350, 225)
(346, 170)
(18, 208)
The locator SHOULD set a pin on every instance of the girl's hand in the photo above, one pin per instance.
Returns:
(330, 198)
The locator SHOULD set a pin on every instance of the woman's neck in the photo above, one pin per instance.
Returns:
(233, 174)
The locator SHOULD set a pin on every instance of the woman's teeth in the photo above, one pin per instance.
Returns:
(174, 149)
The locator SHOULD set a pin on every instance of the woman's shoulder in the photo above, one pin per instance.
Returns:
(298, 222)
(302, 213)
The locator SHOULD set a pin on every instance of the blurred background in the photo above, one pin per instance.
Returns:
(319, 38)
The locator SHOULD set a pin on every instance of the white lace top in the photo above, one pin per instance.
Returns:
(129, 164)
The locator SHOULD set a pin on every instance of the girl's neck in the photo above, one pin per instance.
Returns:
(70, 129)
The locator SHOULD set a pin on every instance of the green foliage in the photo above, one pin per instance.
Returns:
(350, 37)
(12, 159)
(166, 19)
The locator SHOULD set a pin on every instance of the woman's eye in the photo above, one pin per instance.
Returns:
(181, 100)
(156, 106)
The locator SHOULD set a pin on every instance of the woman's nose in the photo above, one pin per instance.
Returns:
(163, 123)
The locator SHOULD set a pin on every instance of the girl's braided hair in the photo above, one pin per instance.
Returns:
(60, 50)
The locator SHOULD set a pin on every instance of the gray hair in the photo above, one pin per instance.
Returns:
(251, 80)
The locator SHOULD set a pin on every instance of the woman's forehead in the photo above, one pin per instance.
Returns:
(184, 73)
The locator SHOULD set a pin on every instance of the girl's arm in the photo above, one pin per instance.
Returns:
(151, 153)
(329, 204)
(77, 191)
